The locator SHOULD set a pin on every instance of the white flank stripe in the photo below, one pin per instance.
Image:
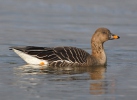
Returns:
(62, 61)
(30, 59)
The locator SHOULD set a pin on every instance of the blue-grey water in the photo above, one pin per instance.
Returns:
(68, 23)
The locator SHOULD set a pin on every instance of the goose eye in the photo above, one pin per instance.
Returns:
(103, 32)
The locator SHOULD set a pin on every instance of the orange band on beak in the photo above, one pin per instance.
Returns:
(115, 37)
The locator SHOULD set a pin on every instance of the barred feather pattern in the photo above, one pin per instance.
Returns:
(57, 56)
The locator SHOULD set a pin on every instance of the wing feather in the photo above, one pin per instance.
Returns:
(70, 54)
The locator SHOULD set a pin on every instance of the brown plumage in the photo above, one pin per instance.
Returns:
(69, 56)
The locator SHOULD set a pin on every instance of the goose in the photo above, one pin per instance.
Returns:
(67, 55)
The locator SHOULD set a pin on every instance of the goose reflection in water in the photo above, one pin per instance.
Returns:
(98, 86)
(93, 73)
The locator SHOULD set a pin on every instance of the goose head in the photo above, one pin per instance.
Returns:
(102, 35)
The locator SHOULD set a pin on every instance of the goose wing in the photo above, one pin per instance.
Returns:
(70, 54)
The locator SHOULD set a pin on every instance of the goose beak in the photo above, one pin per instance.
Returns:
(113, 36)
